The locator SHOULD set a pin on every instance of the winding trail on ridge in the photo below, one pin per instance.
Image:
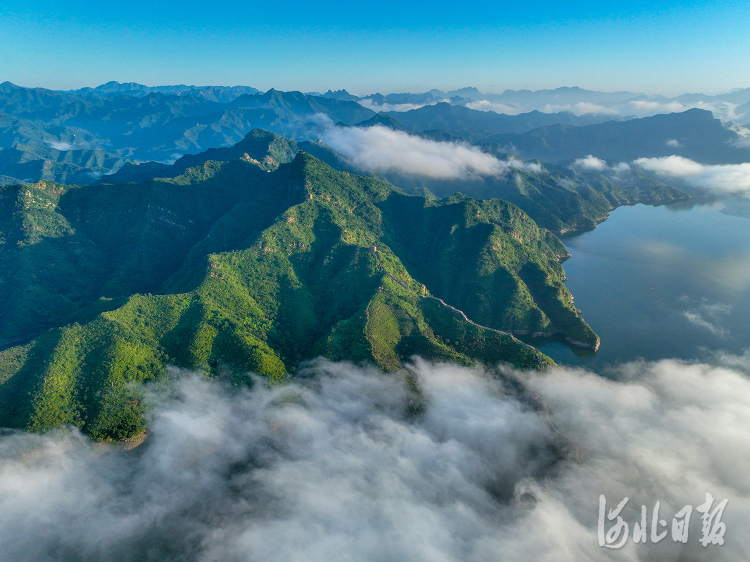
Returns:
(456, 310)
(578, 452)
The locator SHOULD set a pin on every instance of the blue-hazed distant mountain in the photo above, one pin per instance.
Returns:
(296, 105)
(131, 122)
(475, 125)
(693, 134)
(149, 125)
(342, 95)
(223, 94)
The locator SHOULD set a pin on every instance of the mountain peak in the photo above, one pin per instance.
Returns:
(8, 87)
(384, 120)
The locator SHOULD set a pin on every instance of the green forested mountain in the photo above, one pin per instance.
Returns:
(558, 198)
(263, 148)
(29, 162)
(235, 267)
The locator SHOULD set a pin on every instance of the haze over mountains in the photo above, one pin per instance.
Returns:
(78, 136)
(733, 106)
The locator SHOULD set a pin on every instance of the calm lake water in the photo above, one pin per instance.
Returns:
(659, 282)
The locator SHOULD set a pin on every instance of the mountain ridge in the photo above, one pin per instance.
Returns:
(254, 270)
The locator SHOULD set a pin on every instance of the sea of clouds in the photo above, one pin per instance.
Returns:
(346, 464)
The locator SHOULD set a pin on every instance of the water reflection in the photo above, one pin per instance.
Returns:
(656, 282)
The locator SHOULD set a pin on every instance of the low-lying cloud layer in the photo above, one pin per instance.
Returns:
(580, 108)
(723, 178)
(486, 105)
(378, 107)
(383, 150)
(344, 465)
(723, 110)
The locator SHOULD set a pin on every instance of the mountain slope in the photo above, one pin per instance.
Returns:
(33, 161)
(229, 268)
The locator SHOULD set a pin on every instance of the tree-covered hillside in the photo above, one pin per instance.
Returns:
(237, 267)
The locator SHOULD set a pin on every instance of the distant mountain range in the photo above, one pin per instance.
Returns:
(693, 134)
(151, 126)
(732, 106)
(76, 137)
(474, 125)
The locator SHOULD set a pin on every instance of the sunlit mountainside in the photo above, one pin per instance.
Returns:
(256, 263)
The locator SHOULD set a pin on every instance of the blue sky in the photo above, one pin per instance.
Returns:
(386, 46)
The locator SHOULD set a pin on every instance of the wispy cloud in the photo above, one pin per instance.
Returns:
(486, 105)
(580, 108)
(708, 316)
(368, 103)
(591, 162)
(724, 178)
(340, 466)
(382, 150)
(725, 111)
(61, 145)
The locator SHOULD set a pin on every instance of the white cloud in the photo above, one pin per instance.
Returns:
(61, 145)
(334, 467)
(744, 135)
(724, 178)
(709, 316)
(642, 108)
(673, 142)
(486, 105)
(567, 183)
(595, 164)
(591, 163)
(391, 106)
(583, 108)
(621, 168)
(382, 150)
(696, 319)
